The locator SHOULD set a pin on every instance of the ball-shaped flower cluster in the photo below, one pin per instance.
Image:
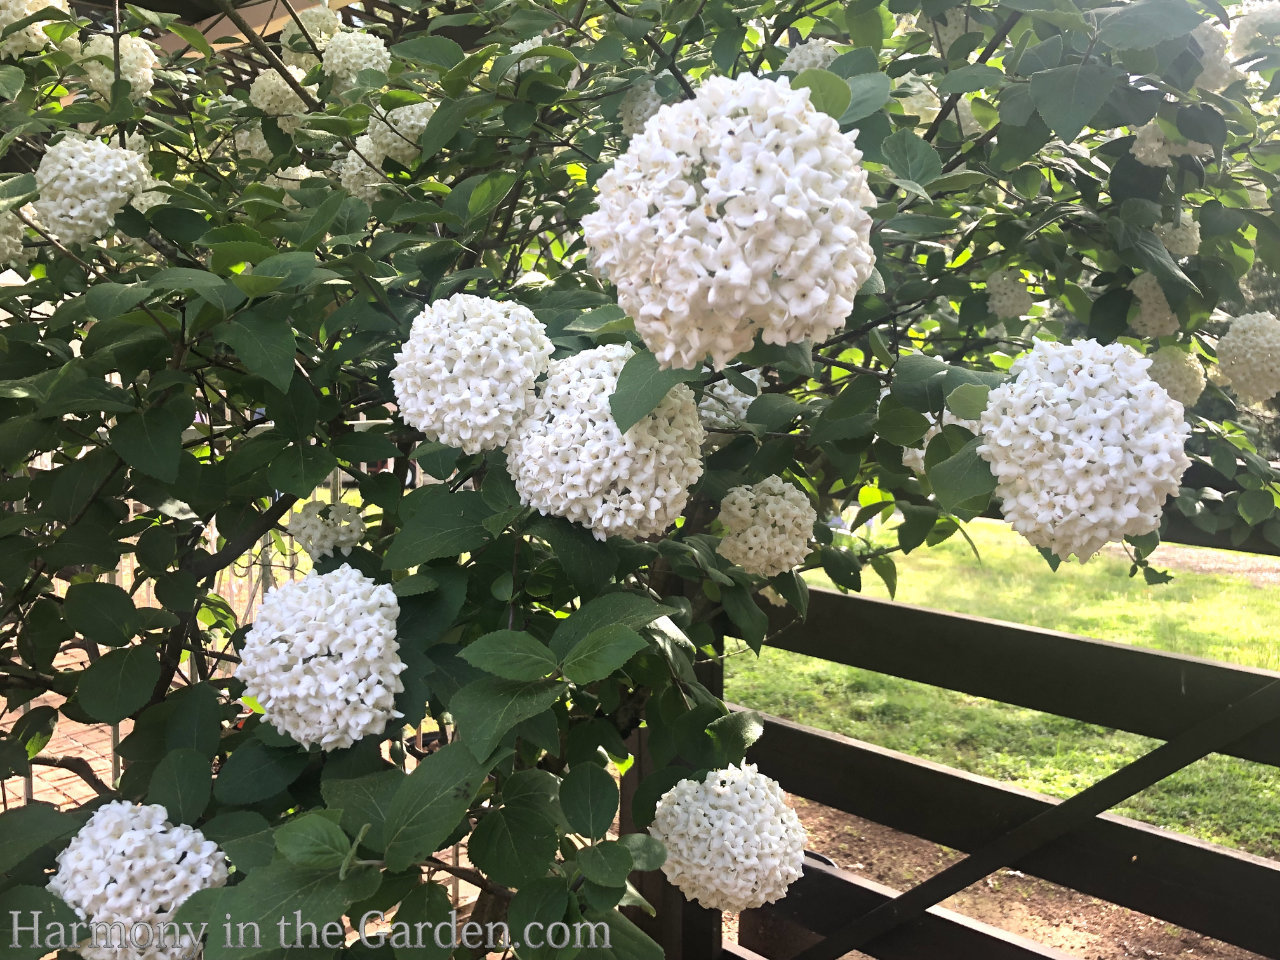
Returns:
(1007, 296)
(741, 211)
(1154, 317)
(1181, 239)
(360, 171)
(321, 528)
(1216, 68)
(138, 62)
(1179, 372)
(1153, 147)
(322, 658)
(1256, 29)
(1249, 357)
(913, 457)
(13, 234)
(395, 134)
(640, 102)
(767, 525)
(289, 178)
(465, 376)
(83, 184)
(723, 406)
(273, 95)
(816, 53)
(31, 38)
(1084, 445)
(129, 869)
(732, 841)
(252, 143)
(351, 51)
(321, 24)
(568, 457)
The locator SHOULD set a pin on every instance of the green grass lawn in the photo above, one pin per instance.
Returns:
(1226, 618)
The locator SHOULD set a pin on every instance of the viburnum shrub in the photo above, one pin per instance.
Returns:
(559, 336)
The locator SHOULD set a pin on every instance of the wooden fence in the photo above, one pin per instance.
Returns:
(1195, 706)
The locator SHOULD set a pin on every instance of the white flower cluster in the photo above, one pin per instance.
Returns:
(767, 525)
(568, 457)
(948, 28)
(1179, 372)
(1007, 297)
(524, 63)
(272, 94)
(395, 134)
(1256, 29)
(13, 234)
(322, 25)
(465, 376)
(1249, 357)
(251, 142)
(640, 102)
(322, 528)
(31, 38)
(1181, 239)
(1152, 147)
(83, 185)
(1216, 69)
(128, 865)
(816, 53)
(1084, 445)
(1155, 318)
(913, 458)
(349, 52)
(322, 658)
(289, 178)
(732, 841)
(138, 62)
(360, 172)
(723, 406)
(741, 211)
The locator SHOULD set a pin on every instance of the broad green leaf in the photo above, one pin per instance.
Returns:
(968, 400)
(264, 344)
(601, 652)
(911, 158)
(255, 772)
(918, 382)
(182, 784)
(362, 800)
(25, 829)
(899, 424)
(12, 80)
(1068, 97)
(625, 609)
(608, 863)
(589, 797)
(962, 479)
(647, 853)
(194, 720)
(193, 37)
(486, 709)
(430, 803)
(151, 441)
(1063, 14)
(427, 903)
(104, 301)
(119, 683)
(589, 563)
(101, 612)
(17, 905)
(313, 841)
(509, 854)
(868, 92)
(438, 523)
(542, 902)
(827, 92)
(512, 654)
(966, 79)
(1143, 24)
(642, 385)
(1256, 506)
(751, 621)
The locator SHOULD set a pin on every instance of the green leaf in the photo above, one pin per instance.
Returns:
(105, 301)
(119, 683)
(194, 720)
(507, 853)
(975, 76)
(193, 37)
(182, 784)
(265, 345)
(968, 400)
(12, 80)
(962, 479)
(734, 733)
(512, 654)
(601, 652)
(918, 382)
(364, 800)
(430, 803)
(911, 158)
(589, 798)
(899, 424)
(151, 441)
(642, 385)
(1143, 24)
(1068, 97)
(101, 612)
(542, 902)
(313, 841)
(751, 621)
(255, 772)
(17, 905)
(589, 563)
(427, 903)
(647, 853)
(828, 92)
(868, 92)
(1060, 13)
(486, 709)
(25, 829)
(607, 863)
(438, 523)
(625, 609)
(1256, 506)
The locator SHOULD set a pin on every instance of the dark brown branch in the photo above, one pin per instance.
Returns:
(80, 767)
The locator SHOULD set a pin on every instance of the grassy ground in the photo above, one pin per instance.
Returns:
(1227, 618)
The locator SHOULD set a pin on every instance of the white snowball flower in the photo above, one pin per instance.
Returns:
(351, 51)
(138, 62)
(1181, 239)
(723, 406)
(1216, 69)
(251, 142)
(732, 841)
(741, 211)
(1255, 30)
(465, 376)
(360, 172)
(1007, 297)
(1084, 445)
(948, 28)
(568, 457)
(395, 134)
(524, 63)
(640, 102)
(913, 458)
(1155, 318)
(129, 869)
(322, 658)
(13, 234)
(816, 53)
(321, 528)
(1152, 147)
(1249, 357)
(1179, 372)
(321, 23)
(768, 526)
(271, 94)
(31, 38)
(83, 185)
